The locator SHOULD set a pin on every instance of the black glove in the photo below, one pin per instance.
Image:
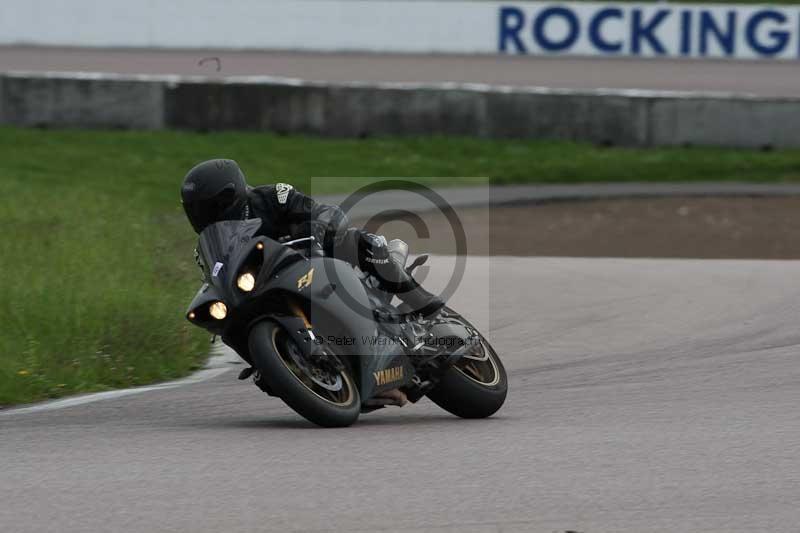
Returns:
(373, 251)
(374, 258)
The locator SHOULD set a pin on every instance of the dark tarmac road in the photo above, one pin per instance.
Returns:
(645, 395)
(762, 78)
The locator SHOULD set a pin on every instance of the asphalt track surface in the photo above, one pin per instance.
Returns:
(645, 395)
(764, 78)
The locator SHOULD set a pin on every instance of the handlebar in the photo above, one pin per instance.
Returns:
(298, 241)
(308, 246)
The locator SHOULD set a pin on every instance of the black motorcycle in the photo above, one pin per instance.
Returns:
(321, 335)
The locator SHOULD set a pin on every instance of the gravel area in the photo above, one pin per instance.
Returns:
(680, 227)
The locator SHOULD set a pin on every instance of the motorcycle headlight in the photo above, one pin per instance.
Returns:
(218, 310)
(246, 282)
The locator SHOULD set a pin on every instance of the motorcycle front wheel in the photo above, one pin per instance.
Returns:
(320, 393)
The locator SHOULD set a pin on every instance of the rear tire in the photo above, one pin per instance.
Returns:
(470, 395)
(267, 342)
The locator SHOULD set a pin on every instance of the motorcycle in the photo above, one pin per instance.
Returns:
(323, 337)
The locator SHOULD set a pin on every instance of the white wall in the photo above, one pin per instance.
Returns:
(409, 26)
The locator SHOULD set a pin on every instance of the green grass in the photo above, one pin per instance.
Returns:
(96, 255)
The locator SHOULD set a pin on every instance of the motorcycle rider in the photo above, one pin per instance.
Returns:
(217, 190)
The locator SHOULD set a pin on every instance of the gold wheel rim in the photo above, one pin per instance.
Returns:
(345, 376)
(473, 363)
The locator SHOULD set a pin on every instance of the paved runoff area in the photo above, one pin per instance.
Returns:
(763, 78)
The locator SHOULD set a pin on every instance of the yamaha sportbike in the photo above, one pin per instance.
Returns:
(323, 337)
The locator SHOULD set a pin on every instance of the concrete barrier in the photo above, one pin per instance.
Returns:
(743, 121)
(81, 102)
(628, 118)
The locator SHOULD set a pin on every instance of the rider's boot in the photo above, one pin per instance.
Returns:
(422, 302)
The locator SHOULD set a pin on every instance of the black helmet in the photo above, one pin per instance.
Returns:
(212, 191)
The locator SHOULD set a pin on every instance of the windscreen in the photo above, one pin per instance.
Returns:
(220, 245)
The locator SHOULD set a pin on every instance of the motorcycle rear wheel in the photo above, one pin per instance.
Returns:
(326, 399)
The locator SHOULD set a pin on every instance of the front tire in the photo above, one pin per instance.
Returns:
(319, 402)
(472, 388)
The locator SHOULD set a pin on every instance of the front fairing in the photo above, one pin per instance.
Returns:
(221, 246)
(226, 250)
(325, 292)
(341, 313)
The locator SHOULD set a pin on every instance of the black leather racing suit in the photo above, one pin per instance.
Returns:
(289, 214)
(286, 214)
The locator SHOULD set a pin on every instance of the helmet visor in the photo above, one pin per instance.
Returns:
(222, 206)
